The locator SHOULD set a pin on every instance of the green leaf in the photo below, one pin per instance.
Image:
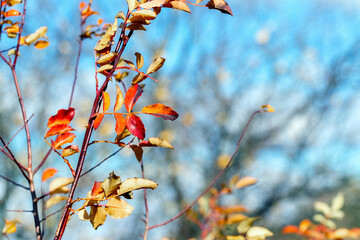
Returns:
(118, 208)
(132, 184)
(111, 184)
(156, 65)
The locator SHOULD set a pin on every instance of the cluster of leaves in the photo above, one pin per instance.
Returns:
(326, 227)
(215, 220)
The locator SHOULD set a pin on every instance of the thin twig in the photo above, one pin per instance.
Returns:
(29, 211)
(43, 160)
(146, 221)
(51, 214)
(13, 182)
(214, 180)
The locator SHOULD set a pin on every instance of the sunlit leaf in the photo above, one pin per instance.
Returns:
(139, 60)
(62, 139)
(246, 224)
(132, 4)
(70, 150)
(111, 184)
(106, 101)
(13, 2)
(41, 44)
(135, 126)
(290, 229)
(107, 58)
(338, 202)
(258, 233)
(245, 181)
(130, 63)
(179, 5)
(220, 5)
(12, 52)
(199, 1)
(54, 200)
(98, 120)
(120, 123)
(152, 4)
(120, 15)
(139, 20)
(36, 35)
(97, 216)
(96, 189)
(106, 67)
(82, 5)
(304, 225)
(63, 116)
(105, 41)
(323, 208)
(235, 237)
(145, 13)
(58, 185)
(156, 142)
(119, 99)
(267, 108)
(160, 110)
(156, 65)
(58, 129)
(9, 227)
(138, 78)
(83, 215)
(48, 173)
(131, 96)
(12, 13)
(118, 208)
(132, 184)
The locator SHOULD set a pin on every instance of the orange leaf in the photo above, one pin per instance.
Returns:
(132, 95)
(62, 117)
(82, 5)
(12, 13)
(41, 44)
(48, 173)
(98, 120)
(290, 229)
(160, 110)
(119, 99)
(120, 123)
(100, 21)
(70, 150)
(304, 225)
(96, 189)
(106, 103)
(58, 129)
(63, 139)
(135, 126)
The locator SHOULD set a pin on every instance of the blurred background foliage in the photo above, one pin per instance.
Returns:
(302, 57)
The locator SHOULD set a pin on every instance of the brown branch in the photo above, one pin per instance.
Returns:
(43, 161)
(218, 176)
(146, 220)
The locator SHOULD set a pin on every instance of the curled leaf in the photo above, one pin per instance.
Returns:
(62, 139)
(70, 150)
(132, 184)
(160, 110)
(156, 142)
(9, 227)
(106, 101)
(58, 185)
(42, 44)
(220, 5)
(119, 123)
(54, 200)
(119, 99)
(98, 120)
(267, 108)
(58, 129)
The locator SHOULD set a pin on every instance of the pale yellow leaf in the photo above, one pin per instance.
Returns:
(245, 181)
(58, 185)
(97, 216)
(118, 208)
(107, 58)
(132, 184)
(147, 14)
(132, 4)
(267, 108)
(36, 35)
(152, 4)
(246, 224)
(119, 99)
(111, 184)
(54, 200)
(258, 233)
(156, 65)
(179, 5)
(106, 67)
(83, 215)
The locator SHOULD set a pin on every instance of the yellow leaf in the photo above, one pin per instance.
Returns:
(97, 216)
(36, 35)
(152, 4)
(258, 233)
(245, 181)
(118, 208)
(10, 227)
(58, 185)
(106, 67)
(132, 4)
(119, 99)
(246, 224)
(106, 101)
(107, 58)
(145, 13)
(139, 60)
(83, 215)
(111, 184)
(54, 200)
(132, 184)
(267, 108)
(179, 5)
(156, 65)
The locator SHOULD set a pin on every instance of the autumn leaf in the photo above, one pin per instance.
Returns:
(106, 103)
(111, 184)
(63, 116)
(62, 139)
(106, 67)
(9, 227)
(220, 5)
(54, 200)
(118, 208)
(48, 173)
(70, 150)
(135, 126)
(58, 129)
(152, 4)
(132, 4)
(97, 216)
(179, 5)
(12, 13)
(58, 185)
(36, 35)
(139, 60)
(160, 110)
(132, 184)
(156, 142)
(98, 120)
(132, 95)
(138, 152)
(96, 189)
(245, 181)
(119, 99)
(145, 13)
(41, 44)
(156, 65)
(107, 58)
(267, 108)
(119, 123)
(105, 41)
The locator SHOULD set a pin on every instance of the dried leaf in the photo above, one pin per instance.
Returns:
(135, 27)
(96, 189)
(139, 60)
(13, 2)
(97, 216)
(152, 4)
(58, 185)
(160, 110)
(132, 4)
(63, 116)
(139, 20)
(42, 44)
(130, 63)
(120, 15)
(138, 152)
(119, 99)
(105, 41)
(118, 208)
(36, 35)
(145, 13)
(156, 65)
(179, 5)
(199, 1)
(70, 150)
(106, 67)
(267, 108)
(156, 142)
(98, 120)
(120, 123)
(135, 126)
(62, 139)
(106, 101)
(220, 5)
(111, 184)
(132, 184)
(107, 58)
(258, 233)
(83, 215)
(245, 181)
(132, 95)
(48, 173)
(58, 129)
(246, 224)
(54, 200)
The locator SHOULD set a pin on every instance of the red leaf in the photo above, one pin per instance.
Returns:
(48, 173)
(70, 150)
(98, 120)
(58, 129)
(290, 229)
(160, 110)
(63, 116)
(96, 189)
(135, 126)
(120, 123)
(63, 139)
(132, 95)
(106, 103)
